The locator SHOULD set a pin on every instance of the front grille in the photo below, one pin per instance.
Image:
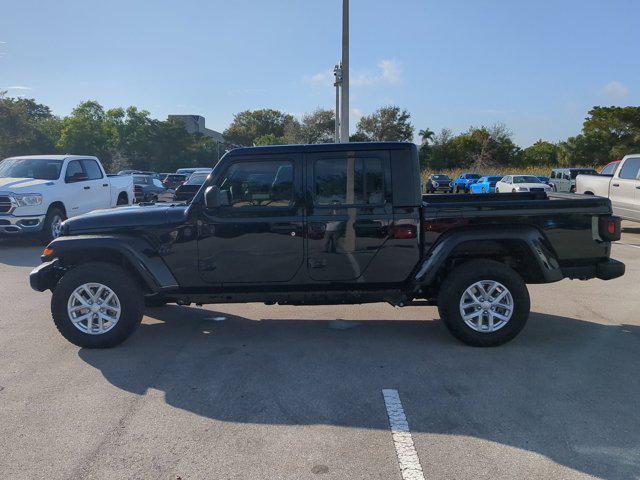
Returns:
(536, 189)
(5, 204)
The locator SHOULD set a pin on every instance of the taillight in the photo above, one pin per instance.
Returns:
(609, 228)
(404, 232)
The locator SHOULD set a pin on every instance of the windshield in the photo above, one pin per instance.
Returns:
(35, 168)
(493, 179)
(473, 175)
(526, 179)
(440, 177)
(197, 179)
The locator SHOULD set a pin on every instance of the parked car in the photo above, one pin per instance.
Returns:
(147, 188)
(544, 180)
(187, 190)
(521, 183)
(439, 182)
(485, 185)
(564, 179)
(173, 180)
(189, 171)
(464, 181)
(37, 193)
(324, 224)
(622, 187)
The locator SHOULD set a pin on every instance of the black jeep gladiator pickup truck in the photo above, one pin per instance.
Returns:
(325, 224)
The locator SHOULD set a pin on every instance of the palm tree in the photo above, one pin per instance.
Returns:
(426, 135)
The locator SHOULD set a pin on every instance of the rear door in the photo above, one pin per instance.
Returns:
(350, 212)
(77, 191)
(98, 184)
(624, 189)
(258, 237)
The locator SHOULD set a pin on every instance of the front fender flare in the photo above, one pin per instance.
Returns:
(138, 253)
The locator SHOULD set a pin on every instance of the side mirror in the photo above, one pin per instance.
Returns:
(214, 197)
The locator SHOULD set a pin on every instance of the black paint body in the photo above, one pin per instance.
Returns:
(396, 250)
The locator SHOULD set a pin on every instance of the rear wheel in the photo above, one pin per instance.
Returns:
(97, 305)
(484, 303)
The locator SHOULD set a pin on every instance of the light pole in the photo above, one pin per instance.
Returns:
(344, 104)
(337, 72)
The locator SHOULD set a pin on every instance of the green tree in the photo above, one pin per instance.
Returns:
(540, 153)
(89, 131)
(388, 124)
(315, 127)
(249, 125)
(270, 139)
(26, 127)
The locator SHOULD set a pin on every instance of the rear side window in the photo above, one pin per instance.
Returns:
(609, 169)
(93, 169)
(630, 168)
(358, 181)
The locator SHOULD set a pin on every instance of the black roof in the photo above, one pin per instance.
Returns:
(323, 147)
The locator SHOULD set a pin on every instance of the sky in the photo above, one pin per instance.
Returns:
(537, 66)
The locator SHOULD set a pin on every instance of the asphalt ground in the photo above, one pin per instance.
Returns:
(270, 392)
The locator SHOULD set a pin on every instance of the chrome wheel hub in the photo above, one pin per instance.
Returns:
(94, 308)
(56, 226)
(486, 306)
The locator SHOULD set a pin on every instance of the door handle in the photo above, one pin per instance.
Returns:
(615, 185)
(105, 184)
(87, 188)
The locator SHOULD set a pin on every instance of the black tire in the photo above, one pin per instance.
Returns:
(457, 189)
(464, 276)
(484, 190)
(54, 214)
(120, 282)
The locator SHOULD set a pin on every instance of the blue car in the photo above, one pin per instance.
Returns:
(464, 181)
(485, 185)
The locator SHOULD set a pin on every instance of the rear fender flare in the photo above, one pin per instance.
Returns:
(529, 237)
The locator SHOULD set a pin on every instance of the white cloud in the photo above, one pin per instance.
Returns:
(614, 90)
(389, 73)
(18, 87)
(356, 113)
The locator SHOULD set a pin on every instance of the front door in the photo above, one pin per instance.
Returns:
(258, 237)
(350, 212)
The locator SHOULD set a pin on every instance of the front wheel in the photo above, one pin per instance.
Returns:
(97, 305)
(52, 226)
(484, 303)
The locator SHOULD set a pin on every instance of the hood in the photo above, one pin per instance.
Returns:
(23, 185)
(126, 219)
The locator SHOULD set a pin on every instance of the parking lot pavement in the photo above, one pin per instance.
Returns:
(250, 391)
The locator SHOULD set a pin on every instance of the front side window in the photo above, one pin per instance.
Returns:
(93, 169)
(259, 184)
(75, 171)
(630, 169)
(358, 181)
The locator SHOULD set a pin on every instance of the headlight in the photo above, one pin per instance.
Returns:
(28, 200)
(523, 189)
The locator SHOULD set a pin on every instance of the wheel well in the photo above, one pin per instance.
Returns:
(589, 193)
(514, 253)
(111, 256)
(124, 195)
(59, 205)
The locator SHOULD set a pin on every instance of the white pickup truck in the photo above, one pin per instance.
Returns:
(37, 193)
(622, 187)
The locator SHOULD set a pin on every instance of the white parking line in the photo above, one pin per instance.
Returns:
(627, 245)
(408, 460)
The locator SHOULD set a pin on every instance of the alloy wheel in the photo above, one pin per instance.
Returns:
(486, 306)
(94, 308)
